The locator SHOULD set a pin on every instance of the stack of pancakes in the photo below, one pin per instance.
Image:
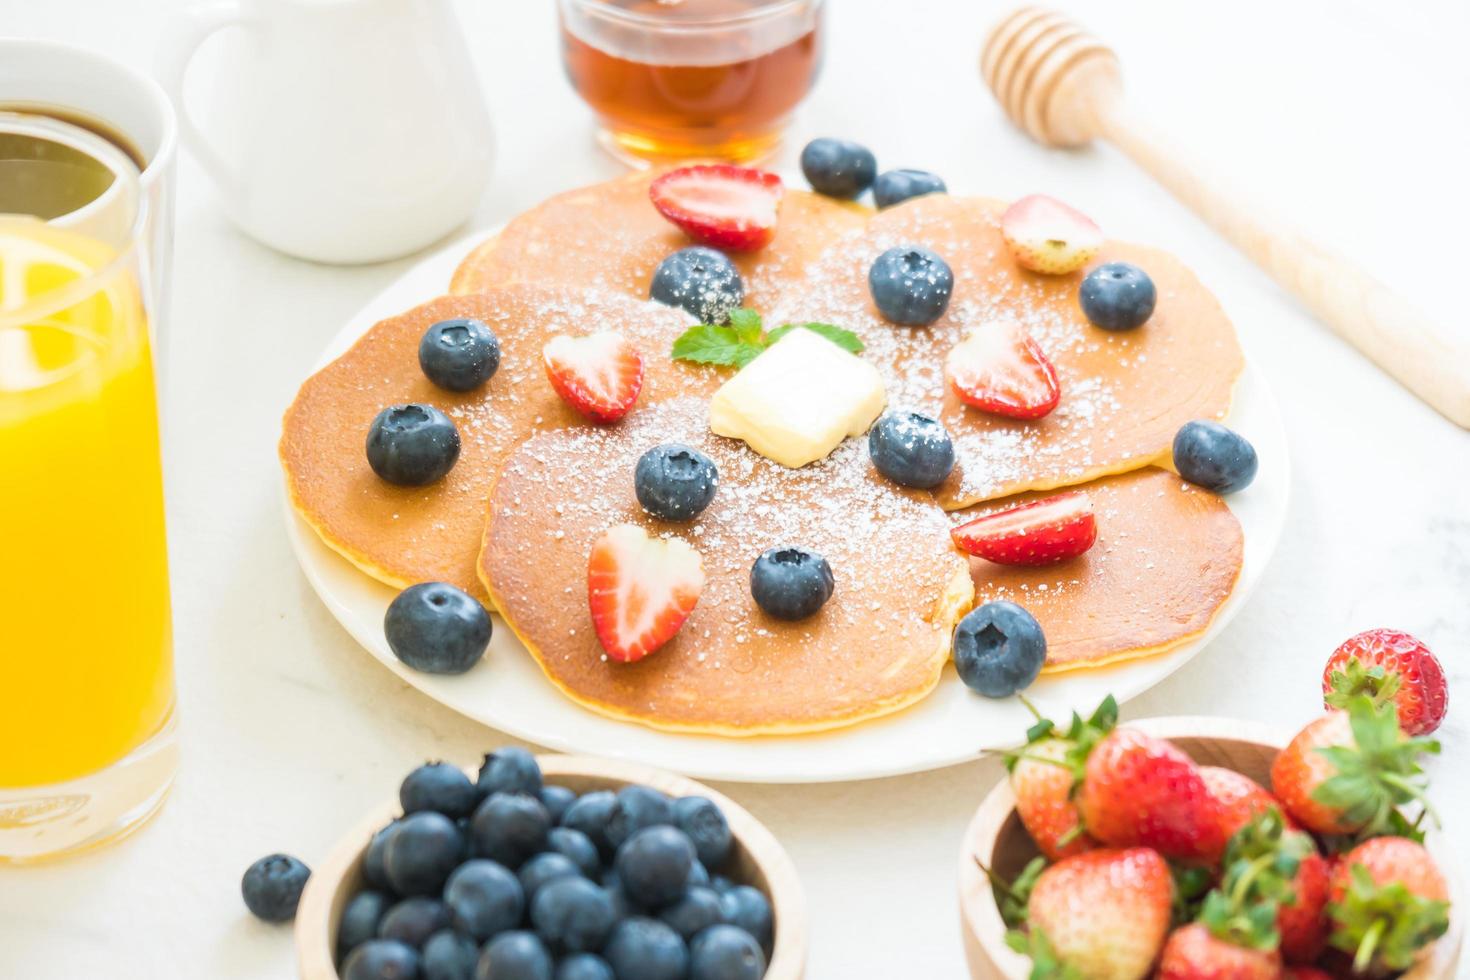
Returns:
(535, 483)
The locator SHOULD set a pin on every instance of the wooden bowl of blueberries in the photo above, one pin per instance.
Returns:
(553, 867)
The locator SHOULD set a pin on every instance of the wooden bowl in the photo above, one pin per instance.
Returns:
(758, 860)
(997, 838)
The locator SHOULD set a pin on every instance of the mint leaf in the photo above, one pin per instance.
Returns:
(747, 325)
(845, 339)
(704, 344)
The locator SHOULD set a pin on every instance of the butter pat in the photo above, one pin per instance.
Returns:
(798, 400)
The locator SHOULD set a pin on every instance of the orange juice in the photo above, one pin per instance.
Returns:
(85, 639)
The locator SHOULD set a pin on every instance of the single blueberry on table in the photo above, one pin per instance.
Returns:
(893, 186)
(1212, 456)
(911, 449)
(1117, 296)
(517, 955)
(791, 583)
(412, 445)
(484, 899)
(584, 966)
(272, 887)
(749, 909)
(572, 913)
(638, 807)
(910, 285)
(725, 952)
(707, 827)
(449, 956)
(509, 770)
(556, 799)
(437, 628)
(700, 281)
(460, 354)
(421, 853)
(590, 815)
(838, 168)
(576, 846)
(440, 787)
(360, 920)
(382, 959)
(654, 865)
(697, 910)
(543, 868)
(674, 482)
(509, 828)
(999, 649)
(413, 920)
(648, 950)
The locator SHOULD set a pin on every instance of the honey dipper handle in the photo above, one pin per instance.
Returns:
(1427, 359)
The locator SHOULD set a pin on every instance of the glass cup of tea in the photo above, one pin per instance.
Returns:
(87, 749)
(672, 80)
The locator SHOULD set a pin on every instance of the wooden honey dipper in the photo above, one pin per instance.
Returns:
(1063, 87)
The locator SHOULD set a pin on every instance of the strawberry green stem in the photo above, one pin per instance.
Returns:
(1364, 956)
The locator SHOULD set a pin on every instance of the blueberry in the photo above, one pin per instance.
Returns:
(373, 871)
(542, 869)
(791, 583)
(698, 873)
(572, 913)
(484, 899)
(556, 799)
(440, 787)
(382, 959)
(515, 955)
(911, 449)
(721, 884)
(700, 281)
(509, 770)
(654, 864)
(421, 853)
(437, 628)
(749, 909)
(584, 966)
(698, 909)
(674, 482)
(646, 949)
(910, 285)
(412, 445)
(413, 920)
(509, 828)
(459, 355)
(707, 828)
(893, 186)
(1211, 456)
(999, 649)
(1117, 296)
(449, 956)
(360, 920)
(724, 952)
(272, 887)
(838, 168)
(576, 846)
(589, 815)
(623, 905)
(638, 807)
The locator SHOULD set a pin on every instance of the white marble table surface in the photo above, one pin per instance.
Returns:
(1340, 115)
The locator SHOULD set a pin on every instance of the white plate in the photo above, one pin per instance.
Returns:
(508, 691)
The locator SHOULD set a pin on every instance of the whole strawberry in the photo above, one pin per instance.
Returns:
(1348, 771)
(1387, 901)
(1104, 913)
(1046, 774)
(1142, 791)
(1193, 952)
(1389, 666)
(1239, 797)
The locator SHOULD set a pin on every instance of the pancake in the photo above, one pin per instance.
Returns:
(1166, 558)
(1123, 394)
(879, 644)
(610, 236)
(404, 535)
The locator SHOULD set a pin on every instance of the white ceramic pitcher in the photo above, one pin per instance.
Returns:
(338, 130)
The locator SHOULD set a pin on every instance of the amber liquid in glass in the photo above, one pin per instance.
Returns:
(670, 97)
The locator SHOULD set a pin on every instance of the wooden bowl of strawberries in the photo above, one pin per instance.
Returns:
(1191, 847)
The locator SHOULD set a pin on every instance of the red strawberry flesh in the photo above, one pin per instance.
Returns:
(1041, 532)
(600, 376)
(720, 204)
(1000, 369)
(640, 590)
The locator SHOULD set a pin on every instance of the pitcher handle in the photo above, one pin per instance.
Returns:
(188, 30)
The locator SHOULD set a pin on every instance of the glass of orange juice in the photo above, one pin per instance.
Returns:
(87, 748)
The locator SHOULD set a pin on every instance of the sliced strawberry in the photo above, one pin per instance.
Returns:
(600, 376)
(1047, 236)
(1039, 533)
(640, 590)
(998, 368)
(719, 204)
